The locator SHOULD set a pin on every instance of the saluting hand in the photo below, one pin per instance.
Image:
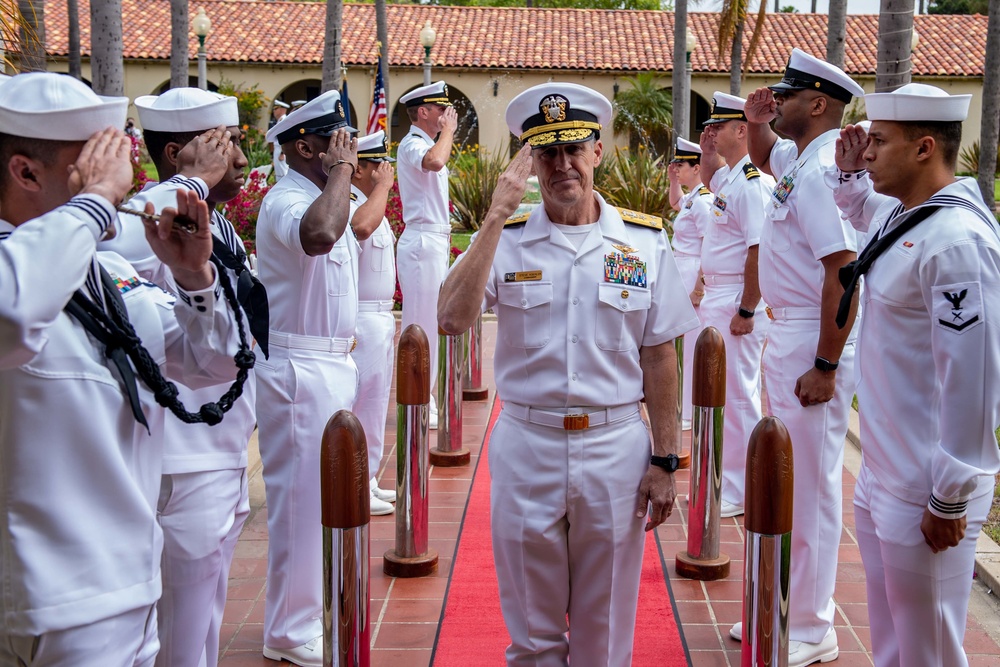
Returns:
(383, 175)
(186, 254)
(449, 119)
(761, 106)
(206, 156)
(512, 183)
(850, 149)
(342, 147)
(103, 167)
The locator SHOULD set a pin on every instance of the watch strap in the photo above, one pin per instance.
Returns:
(670, 462)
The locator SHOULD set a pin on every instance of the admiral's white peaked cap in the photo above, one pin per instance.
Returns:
(435, 93)
(187, 110)
(372, 147)
(917, 102)
(686, 151)
(557, 113)
(46, 105)
(322, 116)
(806, 72)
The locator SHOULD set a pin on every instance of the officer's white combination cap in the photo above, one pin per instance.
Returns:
(46, 105)
(323, 115)
(187, 110)
(917, 102)
(557, 113)
(726, 107)
(435, 93)
(283, 105)
(373, 147)
(806, 72)
(686, 151)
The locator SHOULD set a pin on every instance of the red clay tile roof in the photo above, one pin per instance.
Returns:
(262, 32)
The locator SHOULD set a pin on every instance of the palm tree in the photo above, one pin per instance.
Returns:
(732, 18)
(178, 43)
(990, 128)
(73, 19)
(836, 32)
(681, 96)
(32, 37)
(645, 113)
(106, 64)
(895, 30)
(331, 49)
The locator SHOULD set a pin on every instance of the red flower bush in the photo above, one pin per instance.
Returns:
(243, 209)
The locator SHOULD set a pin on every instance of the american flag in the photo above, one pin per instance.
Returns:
(377, 115)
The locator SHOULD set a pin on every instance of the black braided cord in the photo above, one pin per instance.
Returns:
(164, 390)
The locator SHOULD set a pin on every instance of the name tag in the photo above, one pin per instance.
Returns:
(522, 276)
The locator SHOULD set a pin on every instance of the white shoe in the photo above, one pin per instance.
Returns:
(309, 654)
(380, 507)
(736, 632)
(729, 509)
(801, 654)
(388, 495)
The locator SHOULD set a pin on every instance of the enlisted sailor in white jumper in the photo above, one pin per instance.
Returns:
(309, 266)
(588, 302)
(370, 186)
(193, 139)
(693, 216)
(424, 246)
(928, 363)
(82, 440)
(729, 266)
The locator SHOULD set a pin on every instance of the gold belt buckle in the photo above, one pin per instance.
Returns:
(770, 315)
(576, 422)
(354, 344)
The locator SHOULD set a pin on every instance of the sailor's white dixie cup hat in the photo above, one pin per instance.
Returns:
(686, 151)
(726, 107)
(806, 72)
(46, 105)
(917, 102)
(187, 110)
(323, 116)
(373, 147)
(551, 114)
(435, 93)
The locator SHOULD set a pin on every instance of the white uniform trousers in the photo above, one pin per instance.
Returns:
(421, 265)
(743, 354)
(566, 539)
(202, 514)
(297, 393)
(373, 357)
(126, 640)
(817, 433)
(918, 600)
(688, 267)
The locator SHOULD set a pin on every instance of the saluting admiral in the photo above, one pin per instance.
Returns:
(588, 302)
(729, 267)
(928, 362)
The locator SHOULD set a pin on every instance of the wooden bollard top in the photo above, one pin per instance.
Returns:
(346, 498)
(770, 479)
(708, 382)
(413, 367)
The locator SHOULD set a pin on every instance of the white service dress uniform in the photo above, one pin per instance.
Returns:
(311, 375)
(565, 536)
(931, 317)
(376, 331)
(802, 226)
(204, 497)
(689, 233)
(424, 246)
(79, 543)
(737, 214)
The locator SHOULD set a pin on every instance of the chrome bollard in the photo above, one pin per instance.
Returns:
(472, 386)
(451, 362)
(345, 517)
(411, 557)
(767, 568)
(702, 559)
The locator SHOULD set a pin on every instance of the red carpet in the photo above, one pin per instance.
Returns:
(472, 632)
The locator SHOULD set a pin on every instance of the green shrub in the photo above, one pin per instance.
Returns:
(968, 159)
(474, 174)
(634, 180)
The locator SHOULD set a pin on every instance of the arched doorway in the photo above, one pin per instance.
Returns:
(192, 83)
(468, 120)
